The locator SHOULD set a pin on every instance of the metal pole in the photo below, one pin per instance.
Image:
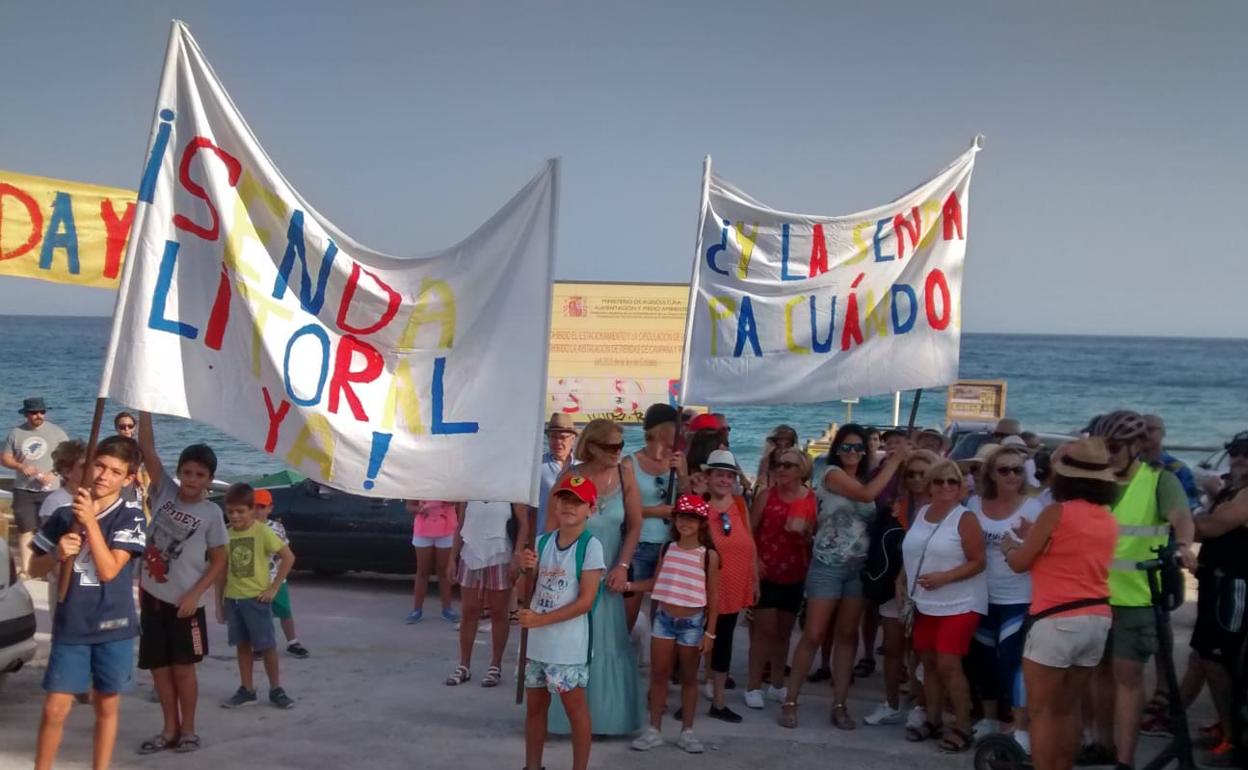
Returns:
(896, 407)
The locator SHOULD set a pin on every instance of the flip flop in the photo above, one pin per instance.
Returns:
(157, 743)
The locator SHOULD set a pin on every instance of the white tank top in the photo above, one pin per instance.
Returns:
(944, 552)
(1005, 586)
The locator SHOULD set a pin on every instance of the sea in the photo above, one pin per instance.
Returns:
(1055, 383)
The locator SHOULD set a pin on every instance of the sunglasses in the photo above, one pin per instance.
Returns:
(847, 448)
(945, 482)
(784, 466)
(609, 448)
(37, 411)
(726, 523)
(126, 426)
(1008, 470)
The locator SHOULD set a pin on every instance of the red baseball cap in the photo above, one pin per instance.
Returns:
(693, 505)
(263, 497)
(579, 487)
(707, 421)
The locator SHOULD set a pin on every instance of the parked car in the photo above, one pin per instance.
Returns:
(17, 617)
(332, 532)
(967, 444)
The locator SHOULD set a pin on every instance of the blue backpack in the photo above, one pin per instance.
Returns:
(582, 544)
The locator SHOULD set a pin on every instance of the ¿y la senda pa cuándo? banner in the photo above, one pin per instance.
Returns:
(243, 308)
(795, 308)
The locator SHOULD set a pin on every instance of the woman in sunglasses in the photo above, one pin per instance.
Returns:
(846, 502)
(781, 438)
(615, 699)
(997, 650)
(738, 570)
(944, 568)
(652, 466)
(781, 519)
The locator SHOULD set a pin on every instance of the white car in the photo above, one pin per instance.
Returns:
(17, 617)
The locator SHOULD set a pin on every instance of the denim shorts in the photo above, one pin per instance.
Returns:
(76, 668)
(824, 581)
(645, 561)
(686, 631)
(558, 678)
(250, 621)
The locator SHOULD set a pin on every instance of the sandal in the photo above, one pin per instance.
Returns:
(158, 743)
(187, 744)
(461, 675)
(820, 675)
(493, 675)
(864, 667)
(788, 715)
(922, 733)
(955, 741)
(513, 617)
(841, 718)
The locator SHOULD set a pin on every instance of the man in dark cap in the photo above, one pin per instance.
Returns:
(28, 452)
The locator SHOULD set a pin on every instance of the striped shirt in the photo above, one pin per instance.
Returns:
(682, 579)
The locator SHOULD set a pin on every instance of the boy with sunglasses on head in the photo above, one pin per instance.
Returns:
(93, 629)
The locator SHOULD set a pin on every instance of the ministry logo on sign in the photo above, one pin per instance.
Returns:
(575, 307)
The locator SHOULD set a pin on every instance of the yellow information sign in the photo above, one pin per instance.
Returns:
(615, 348)
(65, 232)
(975, 401)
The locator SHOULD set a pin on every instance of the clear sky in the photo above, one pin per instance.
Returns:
(1109, 198)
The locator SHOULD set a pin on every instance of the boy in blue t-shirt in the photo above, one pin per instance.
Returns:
(93, 629)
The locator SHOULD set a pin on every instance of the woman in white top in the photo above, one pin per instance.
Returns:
(997, 649)
(944, 565)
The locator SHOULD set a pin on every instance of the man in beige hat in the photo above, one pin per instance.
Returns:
(560, 437)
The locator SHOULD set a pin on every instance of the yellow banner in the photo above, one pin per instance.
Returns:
(64, 232)
(615, 348)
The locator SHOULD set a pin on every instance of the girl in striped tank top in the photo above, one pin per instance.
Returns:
(685, 588)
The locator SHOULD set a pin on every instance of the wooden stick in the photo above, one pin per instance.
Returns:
(529, 584)
(914, 410)
(88, 464)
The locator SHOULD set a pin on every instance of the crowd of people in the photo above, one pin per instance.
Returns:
(1003, 589)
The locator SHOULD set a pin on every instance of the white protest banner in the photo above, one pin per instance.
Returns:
(795, 308)
(242, 307)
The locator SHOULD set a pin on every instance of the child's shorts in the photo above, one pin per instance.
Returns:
(250, 621)
(419, 541)
(168, 640)
(558, 678)
(281, 604)
(495, 578)
(687, 632)
(77, 668)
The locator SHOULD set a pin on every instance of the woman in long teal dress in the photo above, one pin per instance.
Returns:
(614, 691)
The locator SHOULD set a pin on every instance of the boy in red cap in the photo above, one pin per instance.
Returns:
(570, 566)
(282, 609)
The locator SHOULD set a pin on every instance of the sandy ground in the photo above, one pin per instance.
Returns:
(372, 696)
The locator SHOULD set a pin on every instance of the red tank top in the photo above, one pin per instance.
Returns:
(1075, 565)
(785, 555)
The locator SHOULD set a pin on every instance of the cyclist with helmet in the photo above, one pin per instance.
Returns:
(1152, 502)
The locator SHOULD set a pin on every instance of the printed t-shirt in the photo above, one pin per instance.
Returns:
(843, 534)
(178, 539)
(485, 535)
(1005, 586)
(279, 529)
(249, 552)
(435, 519)
(785, 555)
(33, 446)
(97, 611)
(558, 586)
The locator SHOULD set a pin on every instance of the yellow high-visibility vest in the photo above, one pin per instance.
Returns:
(1141, 528)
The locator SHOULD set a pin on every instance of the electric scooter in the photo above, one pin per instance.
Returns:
(1002, 752)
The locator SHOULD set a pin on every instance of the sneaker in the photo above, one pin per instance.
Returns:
(917, 717)
(985, 727)
(243, 697)
(297, 650)
(279, 698)
(754, 699)
(689, 742)
(708, 690)
(414, 617)
(778, 694)
(724, 715)
(450, 616)
(649, 739)
(884, 714)
(1023, 739)
(1156, 725)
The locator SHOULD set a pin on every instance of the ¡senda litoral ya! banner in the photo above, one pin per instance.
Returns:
(796, 308)
(242, 307)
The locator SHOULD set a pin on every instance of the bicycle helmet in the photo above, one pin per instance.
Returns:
(1122, 425)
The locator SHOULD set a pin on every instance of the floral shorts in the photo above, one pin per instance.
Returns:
(559, 678)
